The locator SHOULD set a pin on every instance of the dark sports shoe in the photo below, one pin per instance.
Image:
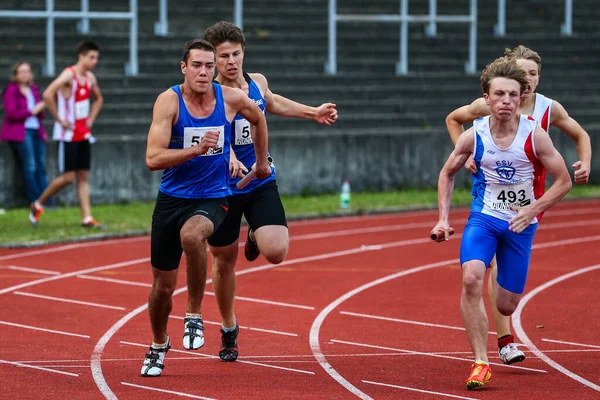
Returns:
(251, 248)
(229, 347)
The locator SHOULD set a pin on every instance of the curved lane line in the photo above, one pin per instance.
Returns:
(316, 327)
(516, 320)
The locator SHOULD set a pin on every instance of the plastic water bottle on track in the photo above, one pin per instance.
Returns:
(345, 194)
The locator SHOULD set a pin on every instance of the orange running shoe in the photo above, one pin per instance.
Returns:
(480, 375)
(92, 223)
(35, 212)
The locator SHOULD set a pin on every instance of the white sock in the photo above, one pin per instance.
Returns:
(193, 316)
(230, 329)
(160, 346)
(482, 362)
(88, 219)
(252, 237)
(38, 205)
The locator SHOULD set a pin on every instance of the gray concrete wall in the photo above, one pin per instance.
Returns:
(306, 163)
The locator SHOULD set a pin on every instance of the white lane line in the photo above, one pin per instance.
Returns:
(566, 242)
(315, 329)
(327, 221)
(111, 280)
(38, 368)
(406, 321)
(421, 353)
(318, 322)
(516, 319)
(84, 303)
(96, 359)
(74, 273)
(571, 343)
(43, 329)
(400, 227)
(217, 357)
(243, 327)
(71, 247)
(181, 394)
(37, 271)
(418, 390)
(273, 303)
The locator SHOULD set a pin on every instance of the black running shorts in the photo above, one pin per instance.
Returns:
(74, 156)
(261, 207)
(170, 214)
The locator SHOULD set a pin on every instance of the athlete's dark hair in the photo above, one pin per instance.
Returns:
(224, 31)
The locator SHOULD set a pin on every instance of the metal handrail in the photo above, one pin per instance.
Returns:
(566, 29)
(50, 15)
(404, 18)
(161, 27)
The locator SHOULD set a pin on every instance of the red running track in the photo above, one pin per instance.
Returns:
(363, 307)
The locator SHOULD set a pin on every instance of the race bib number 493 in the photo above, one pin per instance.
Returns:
(193, 135)
(505, 196)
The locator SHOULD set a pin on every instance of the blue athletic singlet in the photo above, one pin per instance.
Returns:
(242, 142)
(207, 175)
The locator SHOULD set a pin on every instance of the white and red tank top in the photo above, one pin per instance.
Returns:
(505, 177)
(75, 109)
(541, 113)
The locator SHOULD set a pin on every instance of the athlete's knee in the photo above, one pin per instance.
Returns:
(508, 306)
(191, 240)
(224, 264)
(82, 175)
(69, 177)
(276, 252)
(163, 289)
(472, 280)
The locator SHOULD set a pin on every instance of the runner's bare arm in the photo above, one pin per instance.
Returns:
(49, 95)
(564, 122)
(326, 113)
(465, 114)
(98, 101)
(240, 103)
(457, 159)
(158, 154)
(555, 165)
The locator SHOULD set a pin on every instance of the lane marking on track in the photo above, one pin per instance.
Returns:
(38, 271)
(181, 394)
(420, 353)
(96, 358)
(74, 273)
(111, 280)
(327, 221)
(318, 322)
(270, 302)
(72, 247)
(63, 300)
(593, 346)
(38, 368)
(518, 327)
(43, 329)
(273, 358)
(217, 357)
(243, 327)
(406, 321)
(419, 390)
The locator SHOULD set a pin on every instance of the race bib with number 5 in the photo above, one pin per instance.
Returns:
(242, 132)
(193, 135)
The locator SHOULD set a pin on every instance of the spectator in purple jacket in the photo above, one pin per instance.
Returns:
(23, 130)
